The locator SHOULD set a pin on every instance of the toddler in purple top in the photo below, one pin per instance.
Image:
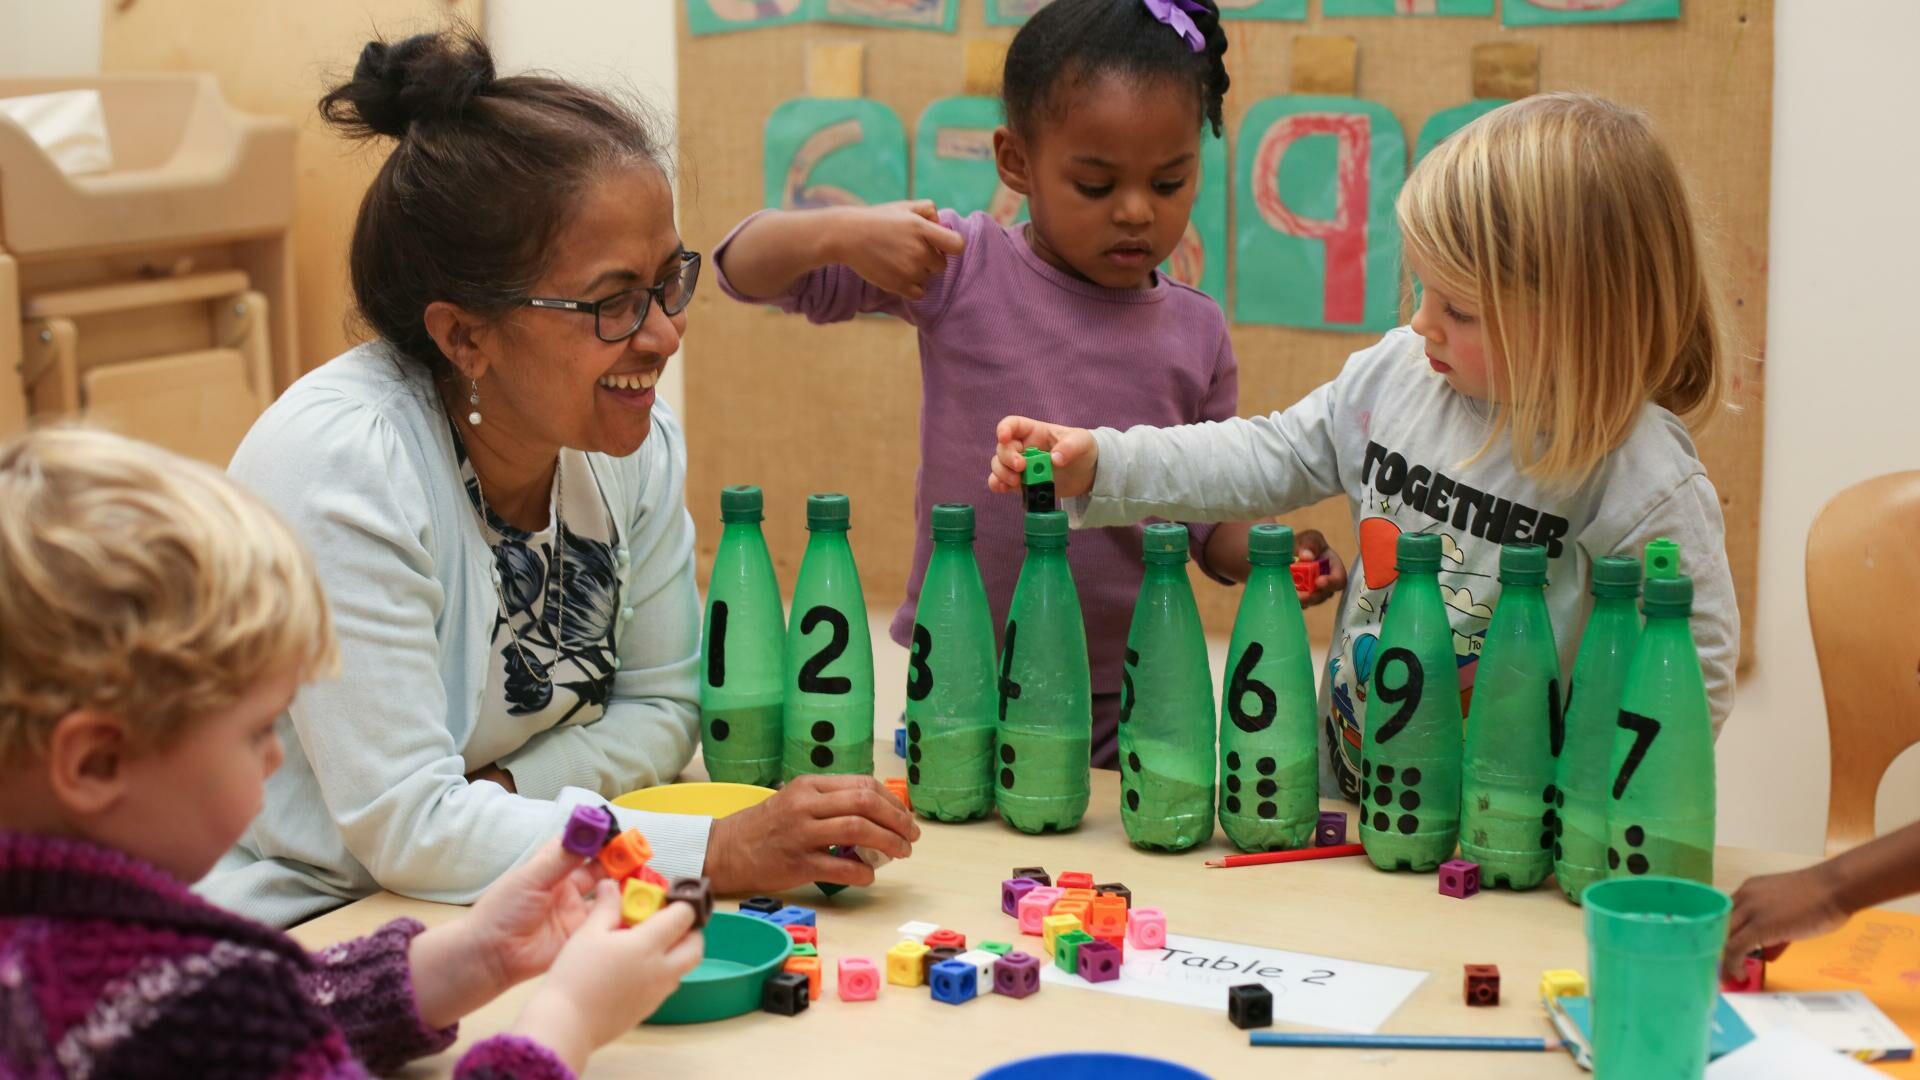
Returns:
(1105, 101)
(154, 622)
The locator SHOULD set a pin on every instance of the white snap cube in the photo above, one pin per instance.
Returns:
(982, 962)
(917, 931)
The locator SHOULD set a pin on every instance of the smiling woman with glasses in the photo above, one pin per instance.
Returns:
(496, 504)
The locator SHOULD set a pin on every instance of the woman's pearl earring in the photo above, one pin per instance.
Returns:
(474, 400)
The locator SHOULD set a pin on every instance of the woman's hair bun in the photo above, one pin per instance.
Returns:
(426, 79)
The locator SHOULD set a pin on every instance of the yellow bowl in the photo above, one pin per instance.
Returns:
(711, 799)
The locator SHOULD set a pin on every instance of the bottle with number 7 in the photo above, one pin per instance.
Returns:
(1660, 819)
(829, 665)
(1410, 757)
(1269, 727)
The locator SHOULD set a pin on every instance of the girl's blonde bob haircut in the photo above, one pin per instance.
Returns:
(141, 584)
(1564, 217)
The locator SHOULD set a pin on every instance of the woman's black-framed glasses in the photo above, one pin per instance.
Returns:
(617, 317)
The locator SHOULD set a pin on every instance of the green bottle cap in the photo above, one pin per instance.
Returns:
(1164, 543)
(740, 502)
(1270, 545)
(953, 522)
(1669, 596)
(1419, 553)
(1039, 466)
(1523, 564)
(1663, 559)
(1616, 576)
(828, 512)
(1047, 529)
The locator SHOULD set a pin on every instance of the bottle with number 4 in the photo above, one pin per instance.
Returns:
(1046, 696)
(829, 668)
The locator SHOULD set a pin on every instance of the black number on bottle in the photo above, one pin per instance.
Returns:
(1126, 685)
(1556, 718)
(717, 645)
(1644, 729)
(919, 675)
(1009, 690)
(1406, 695)
(1242, 684)
(811, 681)
(1318, 978)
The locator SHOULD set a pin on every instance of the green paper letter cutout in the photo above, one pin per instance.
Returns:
(1335, 8)
(1201, 258)
(834, 152)
(953, 160)
(1317, 242)
(720, 16)
(1012, 12)
(1447, 121)
(907, 14)
(1288, 10)
(1563, 12)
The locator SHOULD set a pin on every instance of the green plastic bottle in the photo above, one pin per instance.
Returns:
(1410, 756)
(1660, 820)
(829, 668)
(1269, 726)
(1584, 769)
(1166, 705)
(742, 665)
(1046, 695)
(1513, 728)
(952, 695)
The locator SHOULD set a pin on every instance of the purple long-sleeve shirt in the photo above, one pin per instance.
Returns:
(1001, 332)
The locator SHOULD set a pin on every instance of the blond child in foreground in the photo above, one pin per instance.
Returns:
(154, 623)
(1567, 335)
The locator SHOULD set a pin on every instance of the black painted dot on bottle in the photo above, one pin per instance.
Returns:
(1006, 754)
(1268, 810)
(1411, 777)
(1380, 822)
(913, 774)
(1266, 765)
(1006, 779)
(1546, 840)
(1613, 859)
(1408, 824)
(1133, 800)
(1382, 795)
(1233, 784)
(1636, 835)
(823, 731)
(913, 754)
(1133, 761)
(1560, 799)
(1559, 827)
(1386, 774)
(1267, 788)
(720, 729)
(913, 730)
(1409, 800)
(1547, 795)
(822, 757)
(1366, 768)
(1557, 853)
(1233, 759)
(1637, 864)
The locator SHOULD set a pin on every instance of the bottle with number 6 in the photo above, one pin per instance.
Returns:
(1269, 750)
(829, 666)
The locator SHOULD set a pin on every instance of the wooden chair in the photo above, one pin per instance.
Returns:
(1863, 599)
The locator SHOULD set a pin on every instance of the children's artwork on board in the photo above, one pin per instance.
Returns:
(723, 16)
(1273, 10)
(1200, 259)
(834, 152)
(1012, 12)
(1335, 8)
(905, 14)
(1447, 121)
(1563, 12)
(1316, 241)
(953, 160)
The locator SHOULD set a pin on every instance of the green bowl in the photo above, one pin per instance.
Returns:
(742, 952)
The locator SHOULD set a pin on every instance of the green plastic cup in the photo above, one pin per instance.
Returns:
(1653, 947)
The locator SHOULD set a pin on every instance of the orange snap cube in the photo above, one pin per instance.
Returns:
(1079, 894)
(810, 967)
(625, 854)
(1107, 917)
(1079, 909)
(898, 786)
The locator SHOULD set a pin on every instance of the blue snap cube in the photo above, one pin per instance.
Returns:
(793, 915)
(954, 981)
(900, 742)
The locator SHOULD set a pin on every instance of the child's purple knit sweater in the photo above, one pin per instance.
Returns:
(110, 968)
(1002, 331)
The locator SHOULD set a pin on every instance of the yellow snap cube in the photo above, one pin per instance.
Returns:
(903, 963)
(640, 899)
(1561, 983)
(1053, 926)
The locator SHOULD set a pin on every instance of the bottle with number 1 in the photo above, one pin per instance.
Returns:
(829, 667)
(741, 652)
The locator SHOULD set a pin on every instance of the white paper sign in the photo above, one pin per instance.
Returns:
(1318, 991)
(1785, 1054)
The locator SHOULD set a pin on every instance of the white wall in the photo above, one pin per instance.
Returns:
(50, 37)
(623, 45)
(1843, 375)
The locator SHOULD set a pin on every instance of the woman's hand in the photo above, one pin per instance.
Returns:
(896, 246)
(1310, 544)
(1075, 455)
(511, 934)
(609, 978)
(783, 841)
(1771, 910)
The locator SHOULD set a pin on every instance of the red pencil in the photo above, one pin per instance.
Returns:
(1332, 851)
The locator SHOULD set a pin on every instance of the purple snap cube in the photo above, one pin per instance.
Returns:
(1012, 891)
(587, 831)
(1016, 975)
(1459, 878)
(1099, 961)
(1331, 830)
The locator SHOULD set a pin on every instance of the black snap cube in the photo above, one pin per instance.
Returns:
(785, 993)
(765, 905)
(1116, 889)
(1250, 1005)
(935, 956)
(695, 891)
(1033, 873)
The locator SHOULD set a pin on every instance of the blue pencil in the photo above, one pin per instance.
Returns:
(1401, 1042)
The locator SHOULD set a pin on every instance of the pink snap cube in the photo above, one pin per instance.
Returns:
(1459, 878)
(858, 979)
(1037, 905)
(1147, 928)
